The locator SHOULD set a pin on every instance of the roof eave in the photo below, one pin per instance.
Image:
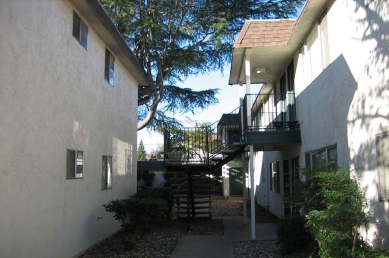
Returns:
(311, 11)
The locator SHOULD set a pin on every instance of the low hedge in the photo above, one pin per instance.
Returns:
(161, 193)
(142, 211)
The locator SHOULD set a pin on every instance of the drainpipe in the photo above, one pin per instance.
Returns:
(248, 91)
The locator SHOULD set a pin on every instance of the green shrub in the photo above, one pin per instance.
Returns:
(292, 235)
(162, 193)
(141, 212)
(336, 211)
(119, 210)
(146, 213)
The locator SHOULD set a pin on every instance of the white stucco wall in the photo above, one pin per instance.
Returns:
(343, 99)
(347, 104)
(54, 97)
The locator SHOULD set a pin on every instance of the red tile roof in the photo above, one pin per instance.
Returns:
(258, 33)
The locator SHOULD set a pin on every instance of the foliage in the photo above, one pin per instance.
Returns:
(141, 151)
(119, 209)
(161, 193)
(335, 207)
(142, 211)
(292, 234)
(146, 213)
(175, 39)
(148, 178)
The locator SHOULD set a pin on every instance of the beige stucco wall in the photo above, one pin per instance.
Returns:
(347, 102)
(53, 97)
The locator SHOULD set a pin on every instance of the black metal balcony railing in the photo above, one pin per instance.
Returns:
(207, 143)
(202, 144)
(270, 112)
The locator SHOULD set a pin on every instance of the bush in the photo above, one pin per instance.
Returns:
(161, 193)
(143, 211)
(292, 235)
(336, 213)
(146, 213)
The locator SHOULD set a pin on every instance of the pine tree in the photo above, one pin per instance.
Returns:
(175, 39)
(141, 151)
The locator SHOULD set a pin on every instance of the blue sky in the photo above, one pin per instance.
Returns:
(228, 97)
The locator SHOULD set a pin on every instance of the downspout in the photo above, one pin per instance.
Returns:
(248, 91)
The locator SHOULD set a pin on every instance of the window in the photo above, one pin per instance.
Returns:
(383, 165)
(319, 158)
(107, 173)
(109, 71)
(274, 177)
(80, 30)
(74, 164)
(290, 71)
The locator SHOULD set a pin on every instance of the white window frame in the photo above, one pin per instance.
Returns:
(327, 151)
(80, 30)
(107, 171)
(109, 68)
(75, 172)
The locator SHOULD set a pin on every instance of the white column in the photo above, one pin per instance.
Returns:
(252, 192)
(248, 91)
(248, 85)
(244, 186)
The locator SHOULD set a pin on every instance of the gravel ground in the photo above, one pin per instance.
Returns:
(159, 243)
(163, 240)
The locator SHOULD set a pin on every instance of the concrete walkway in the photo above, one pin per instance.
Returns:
(221, 245)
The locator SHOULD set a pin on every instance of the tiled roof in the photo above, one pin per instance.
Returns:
(258, 33)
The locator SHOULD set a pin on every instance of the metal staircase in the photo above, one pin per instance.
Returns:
(192, 155)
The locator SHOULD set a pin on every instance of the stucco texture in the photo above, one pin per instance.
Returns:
(54, 97)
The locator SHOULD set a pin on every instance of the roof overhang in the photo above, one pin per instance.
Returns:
(101, 23)
(273, 54)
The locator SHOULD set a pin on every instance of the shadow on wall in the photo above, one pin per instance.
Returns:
(323, 109)
(369, 114)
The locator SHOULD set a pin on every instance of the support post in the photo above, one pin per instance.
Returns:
(244, 189)
(244, 183)
(252, 192)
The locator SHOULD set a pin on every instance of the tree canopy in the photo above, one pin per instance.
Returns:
(175, 39)
(141, 154)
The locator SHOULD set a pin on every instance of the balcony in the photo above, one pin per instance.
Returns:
(209, 145)
(270, 121)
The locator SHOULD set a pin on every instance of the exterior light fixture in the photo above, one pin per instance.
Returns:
(260, 70)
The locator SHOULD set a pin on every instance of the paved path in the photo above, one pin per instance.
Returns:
(220, 246)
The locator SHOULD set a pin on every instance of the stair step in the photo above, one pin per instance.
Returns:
(238, 144)
(203, 190)
(196, 184)
(227, 152)
(179, 190)
(196, 212)
(180, 208)
(194, 196)
(174, 185)
(195, 202)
